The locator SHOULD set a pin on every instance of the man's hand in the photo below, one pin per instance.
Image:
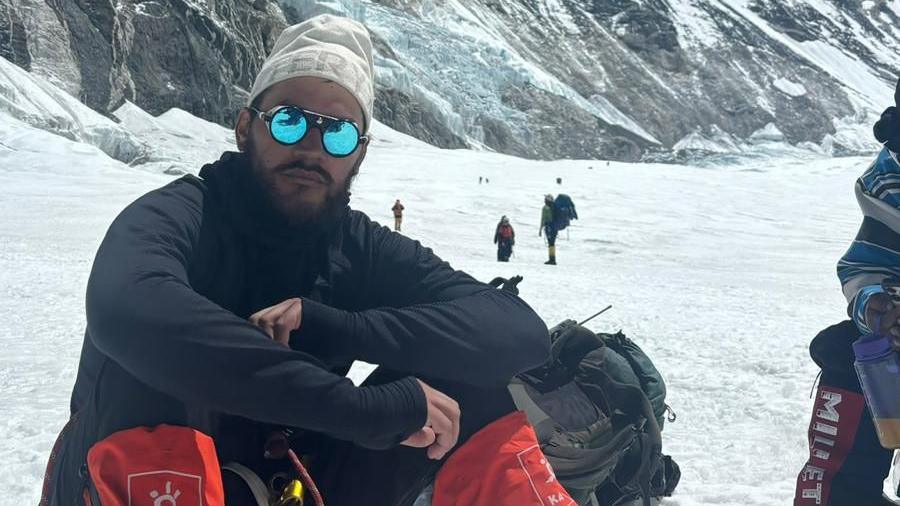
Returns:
(882, 316)
(279, 320)
(441, 430)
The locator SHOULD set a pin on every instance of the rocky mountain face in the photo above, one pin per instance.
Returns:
(620, 79)
(197, 55)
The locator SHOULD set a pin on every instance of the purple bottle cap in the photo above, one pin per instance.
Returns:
(870, 347)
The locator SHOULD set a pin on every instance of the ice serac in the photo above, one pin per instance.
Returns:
(174, 142)
(38, 103)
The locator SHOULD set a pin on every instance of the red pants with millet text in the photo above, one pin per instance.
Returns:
(846, 465)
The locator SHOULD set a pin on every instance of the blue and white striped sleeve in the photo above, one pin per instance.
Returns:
(874, 254)
(859, 306)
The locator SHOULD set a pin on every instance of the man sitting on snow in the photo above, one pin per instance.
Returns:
(234, 303)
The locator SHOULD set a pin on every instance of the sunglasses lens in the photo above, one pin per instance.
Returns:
(340, 138)
(288, 125)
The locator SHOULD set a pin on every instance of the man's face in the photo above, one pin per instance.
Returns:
(301, 181)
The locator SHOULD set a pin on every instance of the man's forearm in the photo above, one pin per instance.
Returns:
(482, 339)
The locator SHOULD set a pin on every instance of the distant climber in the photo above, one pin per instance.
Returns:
(555, 216)
(547, 228)
(505, 239)
(398, 214)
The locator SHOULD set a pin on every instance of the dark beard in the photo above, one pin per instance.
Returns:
(262, 201)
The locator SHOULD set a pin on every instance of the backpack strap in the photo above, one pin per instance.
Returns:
(92, 494)
(254, 483)
(632, 400)
(651, 453)
(647, 469)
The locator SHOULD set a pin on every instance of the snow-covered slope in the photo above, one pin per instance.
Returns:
(177, 141)
(174, 142)
(42, 105)
(723, 274)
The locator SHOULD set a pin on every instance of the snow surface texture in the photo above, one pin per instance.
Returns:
(722, 274)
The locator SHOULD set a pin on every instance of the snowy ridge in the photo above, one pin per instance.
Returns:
(175, 142)
(180, 142)
(38, 103)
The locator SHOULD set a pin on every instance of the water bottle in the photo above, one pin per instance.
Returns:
(878, 368)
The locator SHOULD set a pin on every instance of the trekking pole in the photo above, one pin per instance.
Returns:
(598, 313)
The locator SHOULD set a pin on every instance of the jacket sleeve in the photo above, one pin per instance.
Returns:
(143, 314)
(428, 319)
(861, 274)
(874, 254)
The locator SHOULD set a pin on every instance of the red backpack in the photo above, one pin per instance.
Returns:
(506, 231)
(501, 464)
(160, 466)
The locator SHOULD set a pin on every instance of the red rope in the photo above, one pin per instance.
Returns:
(307, 479)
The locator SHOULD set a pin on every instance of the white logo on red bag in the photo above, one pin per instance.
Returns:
(164, 488)
(542, 478)
(168, 498)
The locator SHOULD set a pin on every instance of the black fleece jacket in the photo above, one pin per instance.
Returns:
(182, 268)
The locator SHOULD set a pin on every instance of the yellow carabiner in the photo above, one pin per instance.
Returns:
(292, 494)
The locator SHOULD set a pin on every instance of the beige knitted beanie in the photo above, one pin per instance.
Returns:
(326, 46)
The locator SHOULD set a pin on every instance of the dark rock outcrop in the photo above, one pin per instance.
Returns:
(159, 54)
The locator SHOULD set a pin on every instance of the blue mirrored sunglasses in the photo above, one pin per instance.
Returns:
(289, 124)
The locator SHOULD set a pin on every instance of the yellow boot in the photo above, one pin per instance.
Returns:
(551, 250)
